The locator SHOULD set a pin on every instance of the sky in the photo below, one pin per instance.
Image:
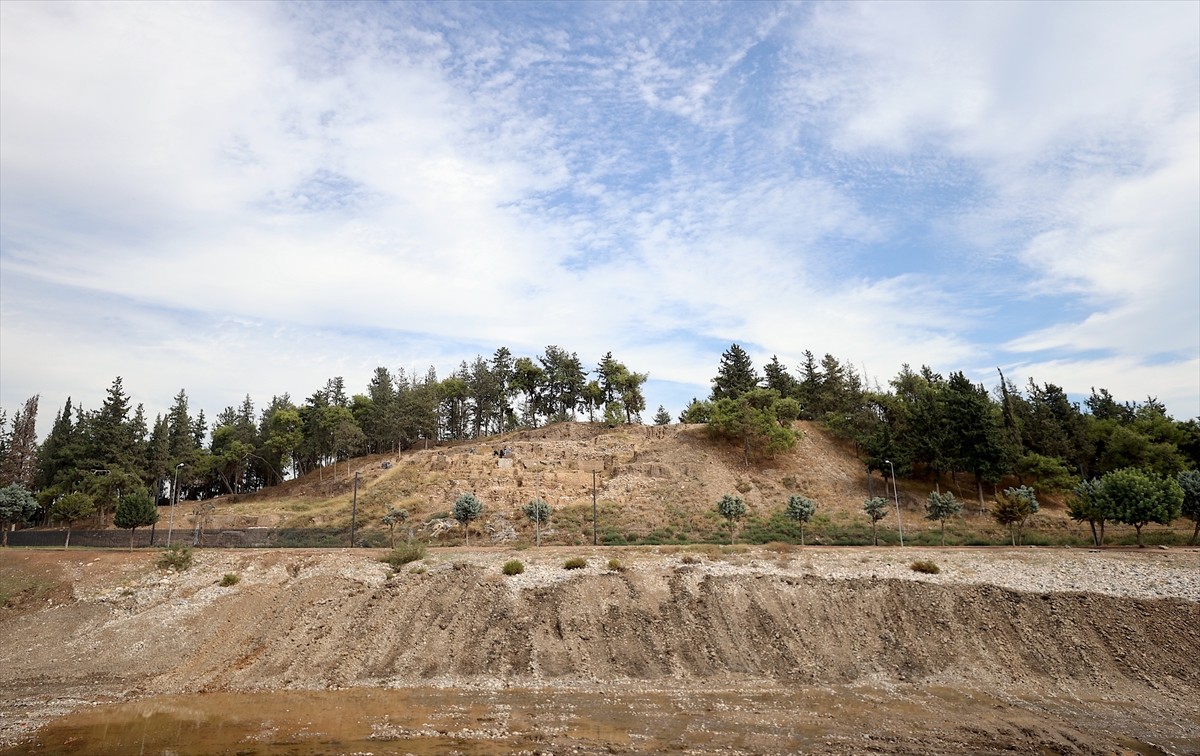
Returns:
(251, 198)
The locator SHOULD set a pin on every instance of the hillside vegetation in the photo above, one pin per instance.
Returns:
(654, 484)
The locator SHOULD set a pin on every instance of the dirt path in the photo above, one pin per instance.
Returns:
(1026, 649)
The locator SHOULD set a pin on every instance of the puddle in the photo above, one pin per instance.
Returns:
(420, 721)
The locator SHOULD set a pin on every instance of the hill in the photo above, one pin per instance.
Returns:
(653, 484)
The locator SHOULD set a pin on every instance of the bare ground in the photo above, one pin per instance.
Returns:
(1021, 650)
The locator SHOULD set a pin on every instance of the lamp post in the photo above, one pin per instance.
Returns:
(174, 501)
(896, 494)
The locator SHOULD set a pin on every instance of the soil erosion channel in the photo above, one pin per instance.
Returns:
(759, 651)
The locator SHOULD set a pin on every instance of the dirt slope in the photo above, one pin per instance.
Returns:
(1111, 666)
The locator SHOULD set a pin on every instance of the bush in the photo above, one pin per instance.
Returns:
(925, 566)
(575, 563)
(690, 559)
(229, 580)
(414, 552)
(513, 567)
(615, 565)
(176, 557)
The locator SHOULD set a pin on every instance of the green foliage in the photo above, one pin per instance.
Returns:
(1189, 482)
(1050, 474)
(735, 375)
(1013, 508)
(752, 419)
(513, 567)
(537, 512)
(1085, 505)
(176, 557)
(134, 511)
(801, 509)
(941, 507)
(615, 565)
(925, 566)
(413, 552)
(229, 580)
(732, 508)
(876, 509)
(467, 508)
(393, 518)
(1138, 498)
(16, 506)
(662, 417)
(696, 412)
(575, 563)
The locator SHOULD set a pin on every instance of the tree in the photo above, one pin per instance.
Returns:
(1137, 498)
(393, 518)
(1013, 508)
(732, 508)
(942, 506)
(753, 419)
(876, 509)
(72, 508)
(538, 512)
(662, 417)
(800, 509)
(735, 375)
(1085, 505)
(20, 463)
(135, 510)
(17, 505)
(1189, 481)
(467, 508)
(696, 412)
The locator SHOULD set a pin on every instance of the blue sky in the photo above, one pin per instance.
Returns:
(239, 198)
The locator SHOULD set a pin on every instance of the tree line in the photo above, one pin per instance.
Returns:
(115, 450)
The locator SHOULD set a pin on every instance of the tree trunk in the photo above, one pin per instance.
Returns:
(1192, 542)
(67, 545)
(979, 490)
(874, 532)
(1138, 528)
(1095, 538)
(7, 526)
(943, 532)
(131, 532)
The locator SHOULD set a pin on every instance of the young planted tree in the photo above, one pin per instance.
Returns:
(1085, 505)
(71, 508)
(732, 508)
(941, 507)
(800, 509)
(135, 510)
(393, 518)
(1137, 498)
(876, 508)
(1013, 507)
(467, 508)
(16, 506)
(662, 417)
(538, 512)
(1189, 481)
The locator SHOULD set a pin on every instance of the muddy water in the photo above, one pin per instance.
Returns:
(533, 721)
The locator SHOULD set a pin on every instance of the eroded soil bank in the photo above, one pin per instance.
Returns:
(758, 652)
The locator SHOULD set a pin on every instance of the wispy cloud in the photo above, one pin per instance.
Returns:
(253, 197)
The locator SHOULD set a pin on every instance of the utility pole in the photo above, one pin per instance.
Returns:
(174, 501)
(354, 509)
(594, 540)
(896, 493)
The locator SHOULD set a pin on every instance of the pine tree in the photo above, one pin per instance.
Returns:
(735, 375)
(20, 458)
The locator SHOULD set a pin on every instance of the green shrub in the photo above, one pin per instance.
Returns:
(413, 552)
(513, 567)
(177, 556)
(229, 579)
(615, 565)
(690, 559)
(925, 566)
(575, 563)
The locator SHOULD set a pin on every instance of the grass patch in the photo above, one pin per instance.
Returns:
(513, 567)
(177, 556)
(925, 566)
(575, 563)
(230, 579)
(402, 555)
(615, 565)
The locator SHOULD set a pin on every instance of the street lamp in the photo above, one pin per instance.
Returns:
(174, 500)
(896, 493)
(354, 509)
